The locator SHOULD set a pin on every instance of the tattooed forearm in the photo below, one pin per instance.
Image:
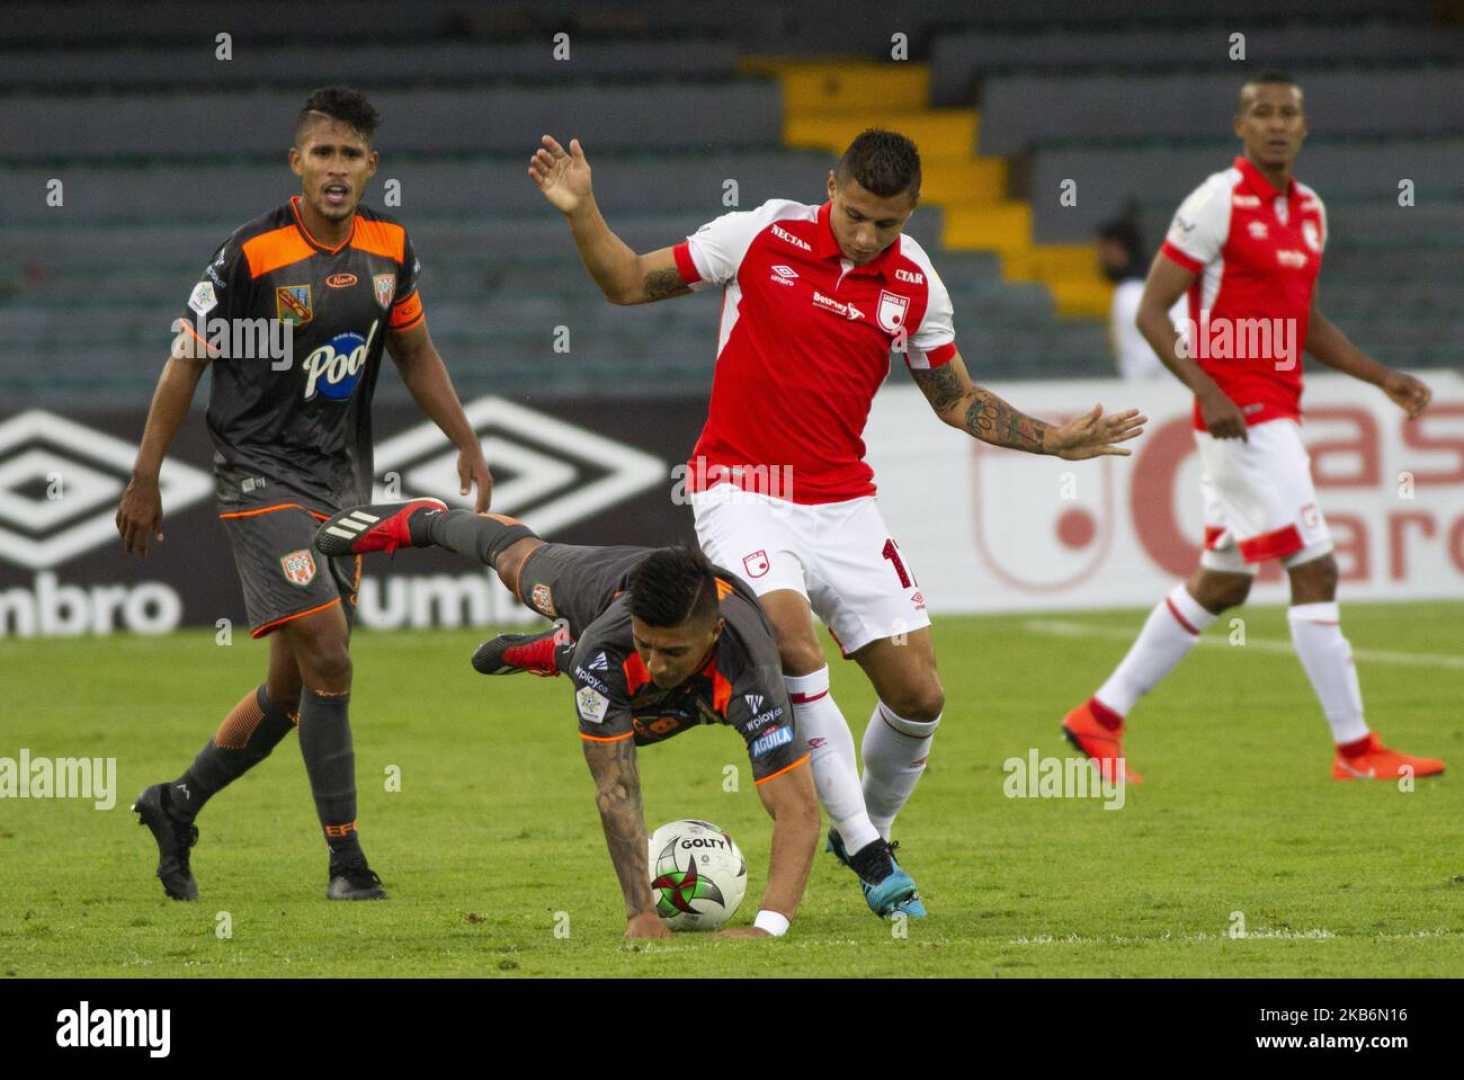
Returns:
(941, 387)
(618, 794)
(992, 420)
(664, 284)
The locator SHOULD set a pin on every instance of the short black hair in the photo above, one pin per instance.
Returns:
(340, 103)
(673, 585)
(884, 163)
(1268, 77)
(1125, 232)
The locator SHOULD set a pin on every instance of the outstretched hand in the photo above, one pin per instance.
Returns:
(563, 176)
(1093, 434)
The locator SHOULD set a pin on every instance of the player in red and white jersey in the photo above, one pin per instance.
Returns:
(1246, 248)
(815, 299)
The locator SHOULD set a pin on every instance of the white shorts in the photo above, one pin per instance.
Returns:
(1259, 500)
(840, 556)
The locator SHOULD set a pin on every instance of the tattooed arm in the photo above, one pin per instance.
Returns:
(618, 795)
(981, 414)
(563, 177)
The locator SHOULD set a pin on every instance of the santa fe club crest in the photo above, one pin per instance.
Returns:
(890, 314)
(299, 567)
(755, 564)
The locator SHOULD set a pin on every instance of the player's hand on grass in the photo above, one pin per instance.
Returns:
(1223, 418)
(646, 925)
(742, 932)
(1409, 394)
(1093, 434)
(140, 515)
(563, 176)
(473, 470)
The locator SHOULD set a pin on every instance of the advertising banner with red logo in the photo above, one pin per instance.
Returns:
(989, 529)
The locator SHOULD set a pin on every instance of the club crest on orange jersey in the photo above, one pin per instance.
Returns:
(891, 311)
(385, 286)
(299, 567)
(292, 304)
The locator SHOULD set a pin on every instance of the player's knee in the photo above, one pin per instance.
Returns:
(800, 654)
(326, 664)
(1216, 594)
(1317, 578)
(922, 702)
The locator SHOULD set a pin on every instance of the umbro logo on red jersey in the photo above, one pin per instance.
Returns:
(783, 275)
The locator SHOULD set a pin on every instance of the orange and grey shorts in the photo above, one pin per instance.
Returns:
(283, 576)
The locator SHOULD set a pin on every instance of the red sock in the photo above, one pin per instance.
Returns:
(1104, 715)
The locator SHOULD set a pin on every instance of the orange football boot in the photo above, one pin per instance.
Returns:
(1101, 743)
(1374, 761)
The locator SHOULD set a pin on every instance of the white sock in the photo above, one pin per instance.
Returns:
(831, 753)
(895, 752)
(1169, 633)
(1316, 632)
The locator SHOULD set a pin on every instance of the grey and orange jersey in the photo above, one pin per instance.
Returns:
(740, 684)
(299, 432)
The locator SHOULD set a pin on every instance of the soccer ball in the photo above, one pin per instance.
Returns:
(698, 876)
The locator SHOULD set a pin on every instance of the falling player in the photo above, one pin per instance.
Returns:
(1246, 248)
(655, 641)
(292, 445)
(815, 299)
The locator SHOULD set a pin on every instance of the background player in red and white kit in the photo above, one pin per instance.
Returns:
(292, 445)
(815, 300)
(1246, 248)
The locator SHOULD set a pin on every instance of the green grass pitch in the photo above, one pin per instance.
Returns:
(493, 832)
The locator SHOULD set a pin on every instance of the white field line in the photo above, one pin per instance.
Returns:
(1062, 628)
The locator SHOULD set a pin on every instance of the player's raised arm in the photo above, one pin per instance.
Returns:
(618, 795)
(981, 414)
(563, 176)
(1333, 348)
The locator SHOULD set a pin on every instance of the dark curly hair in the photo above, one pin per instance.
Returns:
(884, 163)
(672, 586)
(343, 104)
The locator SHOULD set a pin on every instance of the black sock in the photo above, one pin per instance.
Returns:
(480, 536)
(243, 740)
(330, 761)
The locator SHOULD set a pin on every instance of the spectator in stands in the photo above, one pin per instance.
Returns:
(1120, 247)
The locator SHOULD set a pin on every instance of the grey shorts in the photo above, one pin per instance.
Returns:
(575, 583)
(282, 574)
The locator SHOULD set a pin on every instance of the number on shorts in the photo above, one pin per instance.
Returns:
(892, 553)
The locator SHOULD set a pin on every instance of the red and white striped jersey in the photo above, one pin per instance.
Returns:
(805, 341)
(1257, 252)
